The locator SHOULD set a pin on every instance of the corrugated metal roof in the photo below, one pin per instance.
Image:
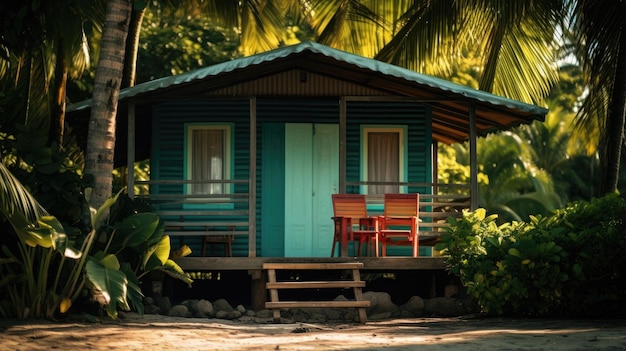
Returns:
(338, 55)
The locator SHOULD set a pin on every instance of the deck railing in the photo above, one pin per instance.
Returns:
(233, 213)
(217, 218)
(438, 202)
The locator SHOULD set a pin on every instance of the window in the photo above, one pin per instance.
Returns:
(208, 158)
(383, 158)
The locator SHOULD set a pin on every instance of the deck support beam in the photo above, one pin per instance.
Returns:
(473, 158)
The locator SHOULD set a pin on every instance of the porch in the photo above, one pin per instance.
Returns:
(232, 223)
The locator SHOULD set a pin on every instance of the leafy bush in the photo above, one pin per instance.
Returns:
(42, 275)
(572, 263)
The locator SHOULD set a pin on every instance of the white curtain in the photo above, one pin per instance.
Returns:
(383, 161)
(207, 160)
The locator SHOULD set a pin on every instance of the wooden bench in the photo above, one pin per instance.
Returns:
(356, 283)
(217, 227)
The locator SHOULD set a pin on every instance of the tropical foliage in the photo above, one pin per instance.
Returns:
(173, 45)
(44, 270)
(568, 264)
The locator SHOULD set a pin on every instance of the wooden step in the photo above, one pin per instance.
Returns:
(354, 282)
(319, 304)
(313, 266)
(316, 285)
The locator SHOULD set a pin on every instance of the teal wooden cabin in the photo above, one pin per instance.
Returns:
(252, 149)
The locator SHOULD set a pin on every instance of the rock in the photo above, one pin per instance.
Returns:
(221, 314)
(380, 302)
(222, 305)
(165, 305)
(148, 301)
(406, 314)
(178, 311)
(444, 307)
(415, 306)
(351, 315)
(264, 314)
(204, 308)
(241, 309)
(233, 315)
(250, 313)
(317, 317)
(151, 309)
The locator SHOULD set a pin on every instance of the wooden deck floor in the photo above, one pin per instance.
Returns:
(256, 263)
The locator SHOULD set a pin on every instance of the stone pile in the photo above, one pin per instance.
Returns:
(381, 308)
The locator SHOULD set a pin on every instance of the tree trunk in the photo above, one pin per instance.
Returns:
(611, 146)
(101, 137)
(488, 76)
(132, 47)
(57, 127)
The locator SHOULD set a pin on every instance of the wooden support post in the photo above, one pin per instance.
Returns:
(258, 293)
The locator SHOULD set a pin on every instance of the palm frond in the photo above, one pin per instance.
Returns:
(424, 41)
(15, 199)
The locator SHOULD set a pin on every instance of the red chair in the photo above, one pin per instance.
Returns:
(352, 224)
(399, 224)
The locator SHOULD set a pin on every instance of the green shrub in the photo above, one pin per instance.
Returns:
(572, 263)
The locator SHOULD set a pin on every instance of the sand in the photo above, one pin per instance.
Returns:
(154, 332)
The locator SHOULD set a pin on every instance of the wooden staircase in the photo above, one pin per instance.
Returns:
(356, 283)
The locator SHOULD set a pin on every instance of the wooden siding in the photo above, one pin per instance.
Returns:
(289, 83)
(167, 161)
(415, 115)
(417, 118)
(168, 143)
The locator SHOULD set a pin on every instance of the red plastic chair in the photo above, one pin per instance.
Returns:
(399, 226)
(352, 224)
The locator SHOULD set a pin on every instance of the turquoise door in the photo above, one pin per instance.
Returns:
(273, 190)
(311, 176)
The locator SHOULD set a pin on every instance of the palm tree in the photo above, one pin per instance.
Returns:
(262, 26)
(512, 187)
(516, 41)
(43, 44)
(551, 149)
(599, 29)
(107, 84)
(518, 45)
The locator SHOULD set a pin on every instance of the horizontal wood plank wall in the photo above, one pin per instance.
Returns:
(383, 113)
(168, 162)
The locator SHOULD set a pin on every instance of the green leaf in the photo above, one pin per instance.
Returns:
(172, 269)
(135, 296)
(112, 283)
(110, 261)
(138, 228)
(97, 217)
(514, 252)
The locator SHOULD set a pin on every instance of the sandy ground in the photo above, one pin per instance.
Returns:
(153, 332)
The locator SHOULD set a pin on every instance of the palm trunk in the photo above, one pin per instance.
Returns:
(132, 47)
(57, 127)
(612, 145)
(493, 54)
(101, 137)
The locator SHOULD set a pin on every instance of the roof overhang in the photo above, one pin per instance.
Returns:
(450, 103)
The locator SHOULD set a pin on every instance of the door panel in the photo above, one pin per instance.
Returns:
(311, 176)
(273, 190)
(325, 183)
(298, 189)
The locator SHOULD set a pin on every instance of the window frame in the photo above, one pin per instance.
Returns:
(402, 150)
(228, 162)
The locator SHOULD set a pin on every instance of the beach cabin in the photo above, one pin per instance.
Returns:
(245, 155)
